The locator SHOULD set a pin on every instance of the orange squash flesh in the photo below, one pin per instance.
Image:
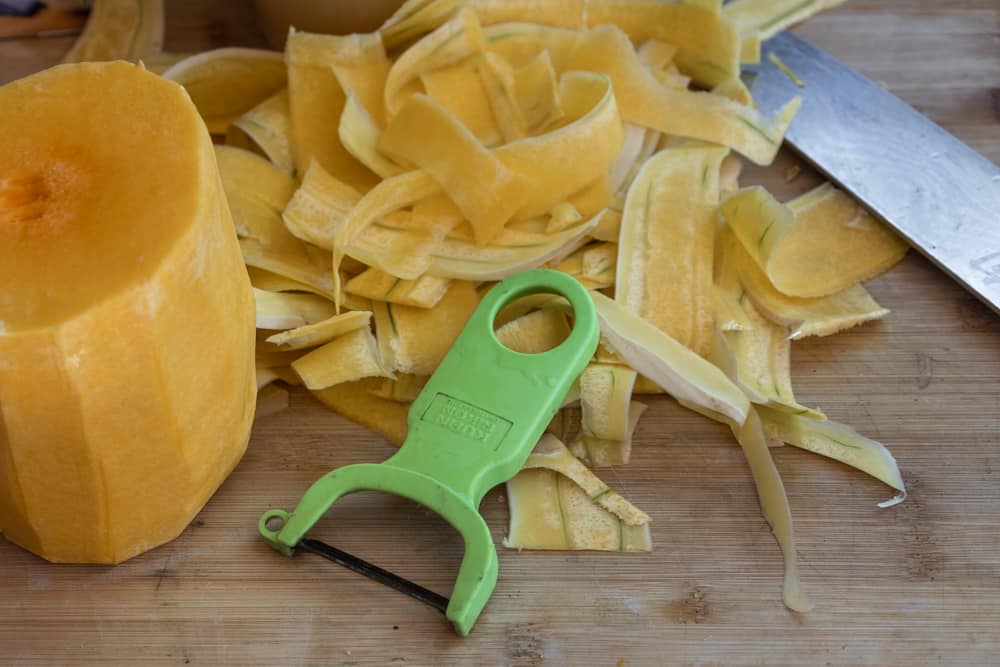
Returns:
(126, 345)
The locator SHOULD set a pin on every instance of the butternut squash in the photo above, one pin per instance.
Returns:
(127, 339)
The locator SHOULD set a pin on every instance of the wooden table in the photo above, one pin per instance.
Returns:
(916, 584)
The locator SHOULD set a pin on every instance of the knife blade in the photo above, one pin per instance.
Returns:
(938, 193)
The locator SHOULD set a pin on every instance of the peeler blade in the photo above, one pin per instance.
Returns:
(375, 573)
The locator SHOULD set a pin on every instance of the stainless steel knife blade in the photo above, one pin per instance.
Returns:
(937, 192)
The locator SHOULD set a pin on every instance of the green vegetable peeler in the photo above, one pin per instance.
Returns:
(471, 428)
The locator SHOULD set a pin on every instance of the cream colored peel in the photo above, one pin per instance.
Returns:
(668, 363)
(535, 332)
(605, 392)
(552, 454)
(278, 310)
(593, 265)
(774, 505)
(838, 442)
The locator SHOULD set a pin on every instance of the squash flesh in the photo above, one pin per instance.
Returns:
(107, 449)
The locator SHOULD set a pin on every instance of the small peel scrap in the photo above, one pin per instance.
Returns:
(355, 401)
(557, 503)
(349, 357)
(758, 359)
(424, 292)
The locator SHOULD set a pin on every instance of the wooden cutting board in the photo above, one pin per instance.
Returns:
(916, 584)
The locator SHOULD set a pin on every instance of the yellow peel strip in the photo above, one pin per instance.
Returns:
(664, 271)
(417, 134)
(769, 17)
(605, 392)
(415, 340)
(563, 161)
(820, 245)
(316, 100)
(360, 134)
(449, 44)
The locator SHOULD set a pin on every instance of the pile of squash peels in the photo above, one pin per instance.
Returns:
(381, 183)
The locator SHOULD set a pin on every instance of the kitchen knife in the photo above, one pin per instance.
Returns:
(941, 195)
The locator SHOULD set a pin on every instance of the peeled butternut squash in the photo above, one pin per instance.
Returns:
(127, 337)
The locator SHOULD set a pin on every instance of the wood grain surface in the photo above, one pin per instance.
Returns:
(916, 584)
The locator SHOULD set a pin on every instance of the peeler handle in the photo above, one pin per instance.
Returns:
(481, 413)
